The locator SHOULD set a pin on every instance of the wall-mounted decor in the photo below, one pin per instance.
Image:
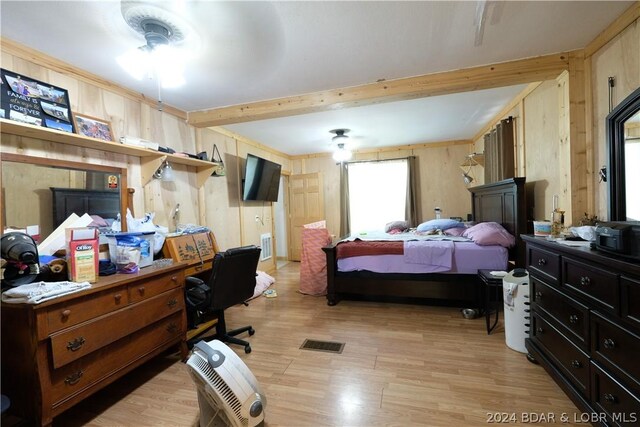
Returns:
(28, 100)
(92, 127)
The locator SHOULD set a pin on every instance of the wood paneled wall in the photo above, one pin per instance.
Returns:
(542, 153)
(619, 58)
(439, 177)
(216, 204)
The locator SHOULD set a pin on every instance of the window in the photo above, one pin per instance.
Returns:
(377, 194)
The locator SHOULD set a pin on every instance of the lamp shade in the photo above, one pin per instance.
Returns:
(167, 174)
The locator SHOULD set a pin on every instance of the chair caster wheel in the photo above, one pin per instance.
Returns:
(247, 349)
(252, 331)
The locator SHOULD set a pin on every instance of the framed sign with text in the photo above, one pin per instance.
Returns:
(27, 100)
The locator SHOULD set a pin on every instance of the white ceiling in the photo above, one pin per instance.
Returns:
(252, 51)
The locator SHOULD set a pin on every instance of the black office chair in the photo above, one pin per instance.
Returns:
(232, 281)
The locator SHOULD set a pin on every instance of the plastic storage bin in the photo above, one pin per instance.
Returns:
(146, 249)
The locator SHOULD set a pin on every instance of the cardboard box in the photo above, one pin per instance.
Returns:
(82, 254)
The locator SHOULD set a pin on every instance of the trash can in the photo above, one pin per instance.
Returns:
(515, 286)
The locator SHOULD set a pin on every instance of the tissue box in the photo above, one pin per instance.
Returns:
(82, 254)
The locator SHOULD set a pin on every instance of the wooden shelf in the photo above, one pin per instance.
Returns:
(150, 160)
(475, 159)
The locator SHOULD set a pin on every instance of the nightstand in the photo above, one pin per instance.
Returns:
(492, 296)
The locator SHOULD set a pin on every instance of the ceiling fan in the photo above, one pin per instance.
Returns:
(341, 152)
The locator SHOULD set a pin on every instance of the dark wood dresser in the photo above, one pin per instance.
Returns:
(56, 353)
(585, 327)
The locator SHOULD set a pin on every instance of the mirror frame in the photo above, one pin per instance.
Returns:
(615, 142)
(65, 164)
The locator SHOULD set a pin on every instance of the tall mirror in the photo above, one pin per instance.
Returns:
(44, 192)
(623, 135)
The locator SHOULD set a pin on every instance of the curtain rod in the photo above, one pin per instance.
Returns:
(380, 160)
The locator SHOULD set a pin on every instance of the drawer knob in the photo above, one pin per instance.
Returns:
(174, 278)
(576, 363)
(117, 297)
(540, 330)
(538, 294)
(610, 398)
(66, 313)
(76, 344)
(585, 281)
(542, 262)
(172, 303)
(573, 318)
(141, 290)
(172, 327)
(74, 378)
(609, 343)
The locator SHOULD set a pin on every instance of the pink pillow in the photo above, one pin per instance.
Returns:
(456, 231)
(98, 221)
(489, 233)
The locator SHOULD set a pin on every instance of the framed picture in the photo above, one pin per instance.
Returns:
(92, 127)
(31, 101)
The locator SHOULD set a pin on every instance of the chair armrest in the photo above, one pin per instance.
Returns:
(193, 281)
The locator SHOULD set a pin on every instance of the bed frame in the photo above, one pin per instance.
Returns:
(67, 201)
(504, 202)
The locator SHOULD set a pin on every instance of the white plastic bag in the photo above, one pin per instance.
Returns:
(144, 224)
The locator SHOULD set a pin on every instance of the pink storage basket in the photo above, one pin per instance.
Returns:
(313, 262)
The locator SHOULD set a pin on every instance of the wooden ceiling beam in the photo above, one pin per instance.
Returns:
(464, 80)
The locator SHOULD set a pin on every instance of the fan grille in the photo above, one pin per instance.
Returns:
(224, 391)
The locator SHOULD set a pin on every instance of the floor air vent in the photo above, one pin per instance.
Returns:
(328, 346)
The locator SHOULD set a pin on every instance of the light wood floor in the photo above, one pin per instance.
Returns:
(402, 365)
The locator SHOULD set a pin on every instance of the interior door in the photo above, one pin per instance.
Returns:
(306, 204)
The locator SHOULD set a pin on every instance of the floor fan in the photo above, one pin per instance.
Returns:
(228, 392)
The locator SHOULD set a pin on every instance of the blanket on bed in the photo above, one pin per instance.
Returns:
(362, 248)
(438, 253)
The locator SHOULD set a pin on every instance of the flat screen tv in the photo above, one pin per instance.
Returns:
(261, 179)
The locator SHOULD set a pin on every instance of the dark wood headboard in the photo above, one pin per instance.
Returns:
(505, 202)
(66, 201)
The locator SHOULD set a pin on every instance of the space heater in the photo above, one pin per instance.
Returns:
(228, 392)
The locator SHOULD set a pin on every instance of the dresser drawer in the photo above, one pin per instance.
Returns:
(572, 361)
(567, 312)
(151, 288)
(630, 300)
(77, 342)
(81, 374)
(543, 264)
(81, 309)
(608, 395)
(615, 347)
(598, 286)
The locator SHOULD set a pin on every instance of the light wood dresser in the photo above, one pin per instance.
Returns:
(585, 328)
(57, 353)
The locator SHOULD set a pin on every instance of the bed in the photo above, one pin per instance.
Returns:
(503, 202)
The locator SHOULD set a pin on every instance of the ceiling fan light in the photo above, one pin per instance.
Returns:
(135, 62)
(341, 154)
